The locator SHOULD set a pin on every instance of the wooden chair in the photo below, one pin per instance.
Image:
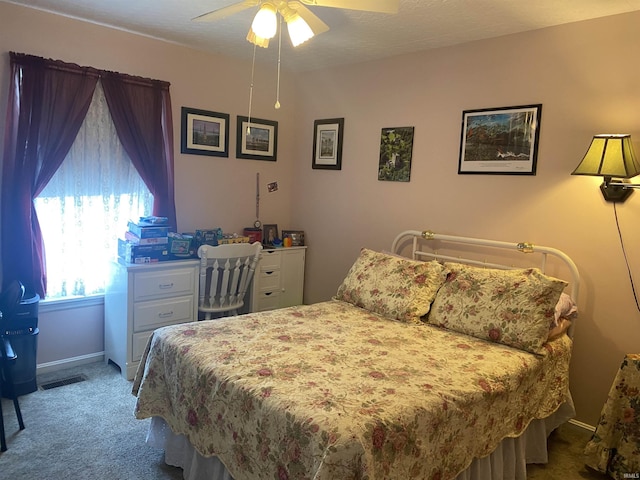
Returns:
(9, 300)
(225, 274)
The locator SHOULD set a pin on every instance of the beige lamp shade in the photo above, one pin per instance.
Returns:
(265, 23)
(609, 156)
(257, 40)
(299, 30)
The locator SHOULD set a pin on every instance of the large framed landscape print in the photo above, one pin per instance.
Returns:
(500, 140)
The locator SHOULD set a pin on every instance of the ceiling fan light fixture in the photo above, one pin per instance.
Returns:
(257, 40)
(265, 23)
(299, 30)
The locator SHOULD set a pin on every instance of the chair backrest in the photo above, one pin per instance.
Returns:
(225, 274)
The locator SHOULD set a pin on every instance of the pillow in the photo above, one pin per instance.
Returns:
(512, 307)
(565, 308)
(392, 286)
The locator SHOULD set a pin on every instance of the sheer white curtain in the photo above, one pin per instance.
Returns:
(86, 206)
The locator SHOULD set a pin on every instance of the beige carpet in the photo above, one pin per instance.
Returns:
(87, 431)
(565, 447)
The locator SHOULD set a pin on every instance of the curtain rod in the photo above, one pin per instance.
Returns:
(25, 58)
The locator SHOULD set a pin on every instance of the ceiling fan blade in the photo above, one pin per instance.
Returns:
(225, 12)
(317, 26)
(380, 6)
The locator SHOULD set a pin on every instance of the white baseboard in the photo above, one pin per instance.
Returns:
(580, 424)
(69, 362)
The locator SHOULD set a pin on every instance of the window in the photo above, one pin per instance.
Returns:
(85, 207)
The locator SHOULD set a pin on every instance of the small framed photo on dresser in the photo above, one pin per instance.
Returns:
(269, 234)
(297, 237)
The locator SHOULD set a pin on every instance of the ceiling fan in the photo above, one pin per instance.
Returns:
(301, 22)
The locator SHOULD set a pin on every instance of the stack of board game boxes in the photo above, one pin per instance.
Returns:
(152, 240)
(145, 242)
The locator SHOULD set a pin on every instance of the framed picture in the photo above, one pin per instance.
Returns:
(297, 237)
(257, 139)
(327, 143)
(204, 132)
(396, 149)
(269, 233)
(500, 140)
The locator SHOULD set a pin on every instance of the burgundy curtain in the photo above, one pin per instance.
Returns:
(48, 101)
(141, 112)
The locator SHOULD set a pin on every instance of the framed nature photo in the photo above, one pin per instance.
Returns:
(327, 143)
(269, 233)
(204, 132)
(396, 150)
(257, 139)
(500, 140)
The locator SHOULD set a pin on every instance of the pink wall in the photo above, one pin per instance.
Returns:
(584, 76)
(342, 211)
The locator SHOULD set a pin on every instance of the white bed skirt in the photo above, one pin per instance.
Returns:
(507, 462)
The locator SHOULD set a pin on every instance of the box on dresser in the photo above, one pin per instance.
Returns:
(133, 238)
(132, 253)
(148, 231)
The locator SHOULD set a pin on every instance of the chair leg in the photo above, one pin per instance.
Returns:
(13, 396)
(16, 405)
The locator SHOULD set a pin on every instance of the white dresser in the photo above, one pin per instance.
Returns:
(279, 279)
(141, 298)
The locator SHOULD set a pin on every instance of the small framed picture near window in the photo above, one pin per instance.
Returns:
(257, 139)
(204, 132)
(269, 234)
(327, 143)
(500, 140)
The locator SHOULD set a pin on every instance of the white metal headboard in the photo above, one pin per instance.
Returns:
(422, 239)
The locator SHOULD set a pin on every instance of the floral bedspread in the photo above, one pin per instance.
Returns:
(331, 391)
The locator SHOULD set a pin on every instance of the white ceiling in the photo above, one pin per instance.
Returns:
(353, 36)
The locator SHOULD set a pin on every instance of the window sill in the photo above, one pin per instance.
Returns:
(69, 303)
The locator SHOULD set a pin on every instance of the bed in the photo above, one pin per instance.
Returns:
(429, 363)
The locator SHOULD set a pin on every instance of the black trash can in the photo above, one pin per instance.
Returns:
(22, 329)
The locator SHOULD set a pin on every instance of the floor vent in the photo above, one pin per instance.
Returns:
(63, 382)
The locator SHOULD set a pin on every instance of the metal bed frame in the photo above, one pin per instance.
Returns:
(432, 240)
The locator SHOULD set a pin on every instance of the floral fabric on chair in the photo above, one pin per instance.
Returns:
(614, 448)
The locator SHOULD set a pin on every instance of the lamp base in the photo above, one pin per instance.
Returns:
(615, 193)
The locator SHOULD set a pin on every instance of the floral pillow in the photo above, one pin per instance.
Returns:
(512, 307)
(392, 286)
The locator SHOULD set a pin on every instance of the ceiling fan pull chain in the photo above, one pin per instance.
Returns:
(253, 64)
(277, 105)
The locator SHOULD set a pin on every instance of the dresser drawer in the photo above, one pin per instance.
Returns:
(153, 314)
(267, 301)
(148, 285)
(269, 281)
(269, 260)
